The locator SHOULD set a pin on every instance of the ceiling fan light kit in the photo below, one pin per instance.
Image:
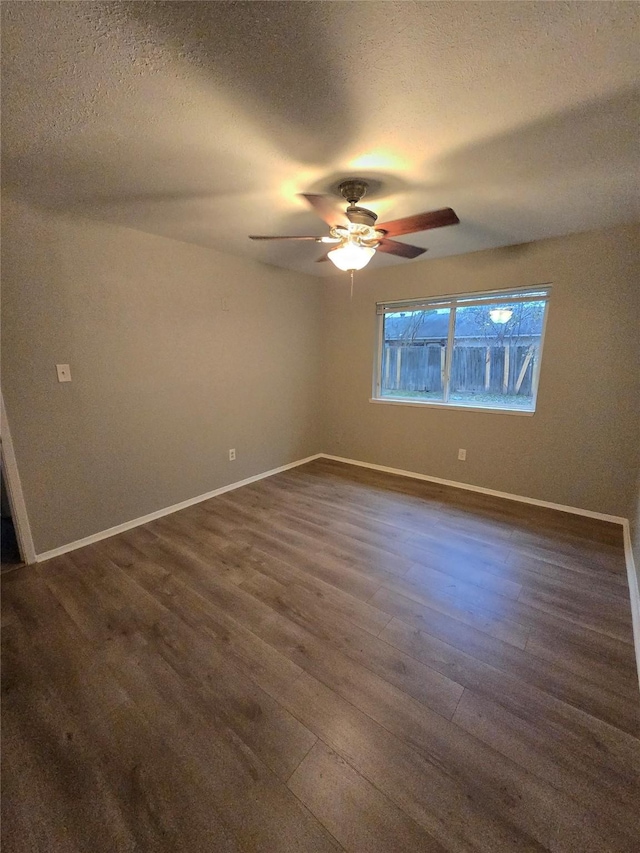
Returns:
(356, 229)
(350, 256)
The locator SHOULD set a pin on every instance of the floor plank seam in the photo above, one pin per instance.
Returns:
(501, 671)
(303, 805)
(376, 590)
(455, 710)
(384, 627)
(421, 828)
(377, 674)
(288, 779)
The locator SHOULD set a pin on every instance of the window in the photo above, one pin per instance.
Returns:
(479, 350)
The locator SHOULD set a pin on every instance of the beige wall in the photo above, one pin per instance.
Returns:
(581, 446)
(164, 381)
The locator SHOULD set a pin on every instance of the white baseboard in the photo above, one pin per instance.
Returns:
(615, 519)
(136, 522)
(634, 591)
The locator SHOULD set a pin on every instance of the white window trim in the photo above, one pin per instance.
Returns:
(430, 404)
(486, 297)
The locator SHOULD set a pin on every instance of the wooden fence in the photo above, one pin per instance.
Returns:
(492, 370)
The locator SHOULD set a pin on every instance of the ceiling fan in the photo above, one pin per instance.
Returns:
(356, 233)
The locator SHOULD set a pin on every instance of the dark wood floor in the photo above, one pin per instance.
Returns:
(329, 659)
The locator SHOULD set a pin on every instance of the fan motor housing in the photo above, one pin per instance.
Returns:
(360, 215)
(353, 190)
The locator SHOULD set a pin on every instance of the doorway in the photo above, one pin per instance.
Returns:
(17, 541)
(10, 556)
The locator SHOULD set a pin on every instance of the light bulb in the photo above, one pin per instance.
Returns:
(351, 256)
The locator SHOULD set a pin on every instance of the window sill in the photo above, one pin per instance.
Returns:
(391, 401)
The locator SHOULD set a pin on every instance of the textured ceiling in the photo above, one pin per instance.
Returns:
(201, 121)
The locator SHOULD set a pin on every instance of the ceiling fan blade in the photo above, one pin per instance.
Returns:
(258, 237)
(420, 222)
(403, 250)
(322, 258)
(323, 206)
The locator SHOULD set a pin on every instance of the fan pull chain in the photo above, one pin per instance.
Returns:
(351, 271)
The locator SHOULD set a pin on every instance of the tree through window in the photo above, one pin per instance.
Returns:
(481, 350)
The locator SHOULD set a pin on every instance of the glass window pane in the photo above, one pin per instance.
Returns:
(413, 354)
(495, 354)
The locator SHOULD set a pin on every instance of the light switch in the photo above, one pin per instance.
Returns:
(64, 372)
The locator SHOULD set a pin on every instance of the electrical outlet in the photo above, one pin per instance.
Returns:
(64, 372)
(232, 455)
(462, 455)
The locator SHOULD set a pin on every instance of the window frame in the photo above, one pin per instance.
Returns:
(453, 301)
